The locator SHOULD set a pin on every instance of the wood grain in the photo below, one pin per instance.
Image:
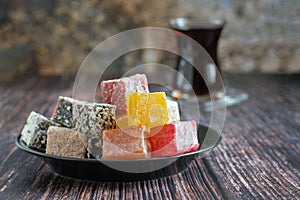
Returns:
(259, 157)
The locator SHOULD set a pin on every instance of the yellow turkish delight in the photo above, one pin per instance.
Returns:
(147, 109)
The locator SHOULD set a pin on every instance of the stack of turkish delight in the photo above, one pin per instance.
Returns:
(131, 123)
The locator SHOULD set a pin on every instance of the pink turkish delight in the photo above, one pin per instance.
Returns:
(174, 138)
(115, 91)
(107, 88)
(125, 143)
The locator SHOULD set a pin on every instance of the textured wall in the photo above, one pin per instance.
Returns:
(53, 37)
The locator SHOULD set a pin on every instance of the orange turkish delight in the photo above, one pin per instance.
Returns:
(147, 109)
(66, 142)
(125, 143)
(122, 121)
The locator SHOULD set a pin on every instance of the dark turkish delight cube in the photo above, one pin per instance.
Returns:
(64, 111)
(34, 133)
(91, 119)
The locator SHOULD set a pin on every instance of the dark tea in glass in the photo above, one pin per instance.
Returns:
(207, 34)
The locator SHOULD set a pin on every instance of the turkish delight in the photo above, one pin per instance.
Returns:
(64, 111)
(115, 91)
(122, 121)
(125, 143)
(173, 115)
(173, 138)
(147, 109)
(34, 133)
(65, 142)
(131, 124)
(173, 111)
(91, 119)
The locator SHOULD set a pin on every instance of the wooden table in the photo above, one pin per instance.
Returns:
(259, 157)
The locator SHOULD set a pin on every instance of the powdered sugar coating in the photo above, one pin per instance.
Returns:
(65, 142)
(174, 138)
(115, 91)
(126, 143)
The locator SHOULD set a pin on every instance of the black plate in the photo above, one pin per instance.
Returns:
(107, 170)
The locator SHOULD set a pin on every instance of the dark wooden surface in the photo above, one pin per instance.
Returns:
(259, 157)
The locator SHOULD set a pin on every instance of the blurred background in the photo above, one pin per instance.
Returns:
(51, 37)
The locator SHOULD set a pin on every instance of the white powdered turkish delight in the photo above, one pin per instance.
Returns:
(173, 111)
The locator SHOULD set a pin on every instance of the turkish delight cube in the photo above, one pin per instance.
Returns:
(122, 121)
(125, 143)
(66, 142)
(115, 91)
(64, 111)
(173, 115)
(173, 138)
(173, 111)
(91, 119)
(107, 88)
(147, 109)
(34, 133)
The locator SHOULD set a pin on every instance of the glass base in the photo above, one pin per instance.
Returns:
(233, 96)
